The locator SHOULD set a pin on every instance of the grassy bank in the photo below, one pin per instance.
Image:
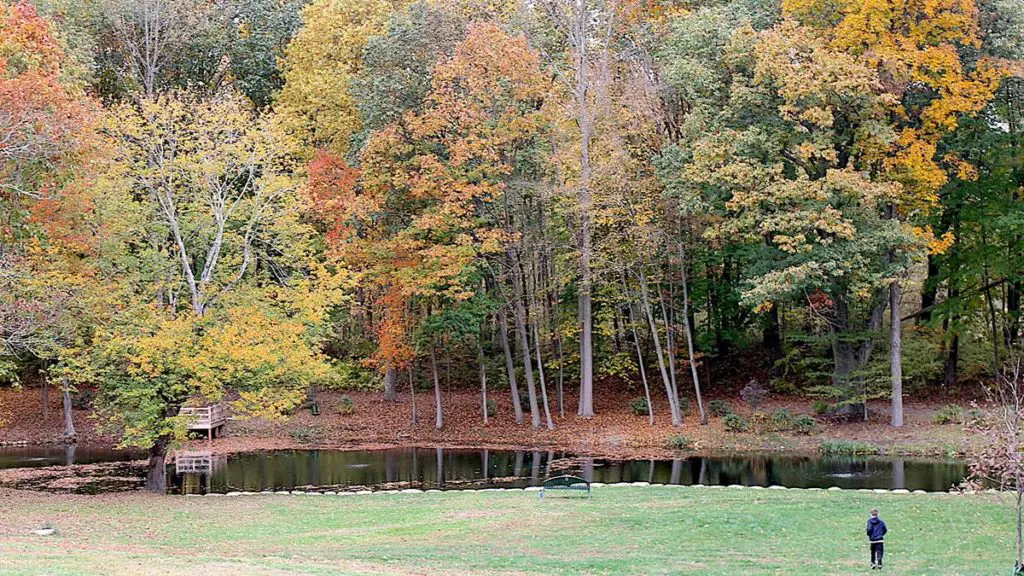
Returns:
(619, 531)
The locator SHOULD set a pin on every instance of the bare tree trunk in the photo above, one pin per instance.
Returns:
(156, 470)
(688, 332)
(950, 369)
(896, 354)
(412, 394)
(69, 421)
(991, 309)
(510, 367)
(44, 399)
(585, 122)
(483, 381)
(639, 356)
(438, 417)
(561, 378)
(677, 419)
(390, 383)
(669, 346)
(540, 372)
(519, 313)
(992, 323)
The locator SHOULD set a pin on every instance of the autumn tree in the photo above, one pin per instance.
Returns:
(45, 145)
(208, 178)
(434, 177)
(147, 365)
(584, 30)
(916, 51)
(316, 108)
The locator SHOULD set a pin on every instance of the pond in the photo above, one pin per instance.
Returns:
(202, 472)
(451, 469)
(63, 455)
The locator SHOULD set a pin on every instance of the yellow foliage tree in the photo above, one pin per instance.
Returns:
(316, 109)
(916, 47)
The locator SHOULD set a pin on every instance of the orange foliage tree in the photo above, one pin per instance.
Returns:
(421, 216)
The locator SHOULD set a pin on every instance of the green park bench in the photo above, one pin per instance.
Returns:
(565, 485)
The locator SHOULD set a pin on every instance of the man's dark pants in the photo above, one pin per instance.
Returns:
(877, 549)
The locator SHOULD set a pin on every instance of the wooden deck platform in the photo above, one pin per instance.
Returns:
(209, 419)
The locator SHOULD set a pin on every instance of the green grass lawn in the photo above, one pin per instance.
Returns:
(657, 530)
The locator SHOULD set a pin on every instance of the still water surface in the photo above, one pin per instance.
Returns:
(441, 468)
(426, 468)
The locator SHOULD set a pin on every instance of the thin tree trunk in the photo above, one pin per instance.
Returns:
(896, 354)
(950, 368)
(689, 336)
(412, 394)
(991, 308)
(773, 339)
(639, 357)
(561, 377)
(540, 373)
(677, 419)
(69, 421)
(483, 381)
(44, 399)
(510, 367)
(438, 417)
(519, 313)
(669, 347)
(929, 290)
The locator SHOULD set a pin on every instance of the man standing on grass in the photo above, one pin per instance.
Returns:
(876, 535)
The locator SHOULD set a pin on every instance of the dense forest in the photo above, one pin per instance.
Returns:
(257, 199)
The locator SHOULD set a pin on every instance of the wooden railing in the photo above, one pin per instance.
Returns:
(206, 417)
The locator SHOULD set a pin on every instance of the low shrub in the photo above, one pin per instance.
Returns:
(754, 394)
(684, 404)
(782, 419)
(305, 434)
(346, 406)
(719, 408)
(804, 424)
(975, 417)
(349, 375)
(492, 409)
(846, 448)
(949, 414)
(679, 442)
(638, 406)
(821, 407)
(780, 386)
(760, 421)
(736, 423)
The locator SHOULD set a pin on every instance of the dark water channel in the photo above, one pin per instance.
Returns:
(425, 468)
(436, 468)
(64, 455)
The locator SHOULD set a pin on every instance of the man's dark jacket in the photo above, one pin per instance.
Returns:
(876, 529)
